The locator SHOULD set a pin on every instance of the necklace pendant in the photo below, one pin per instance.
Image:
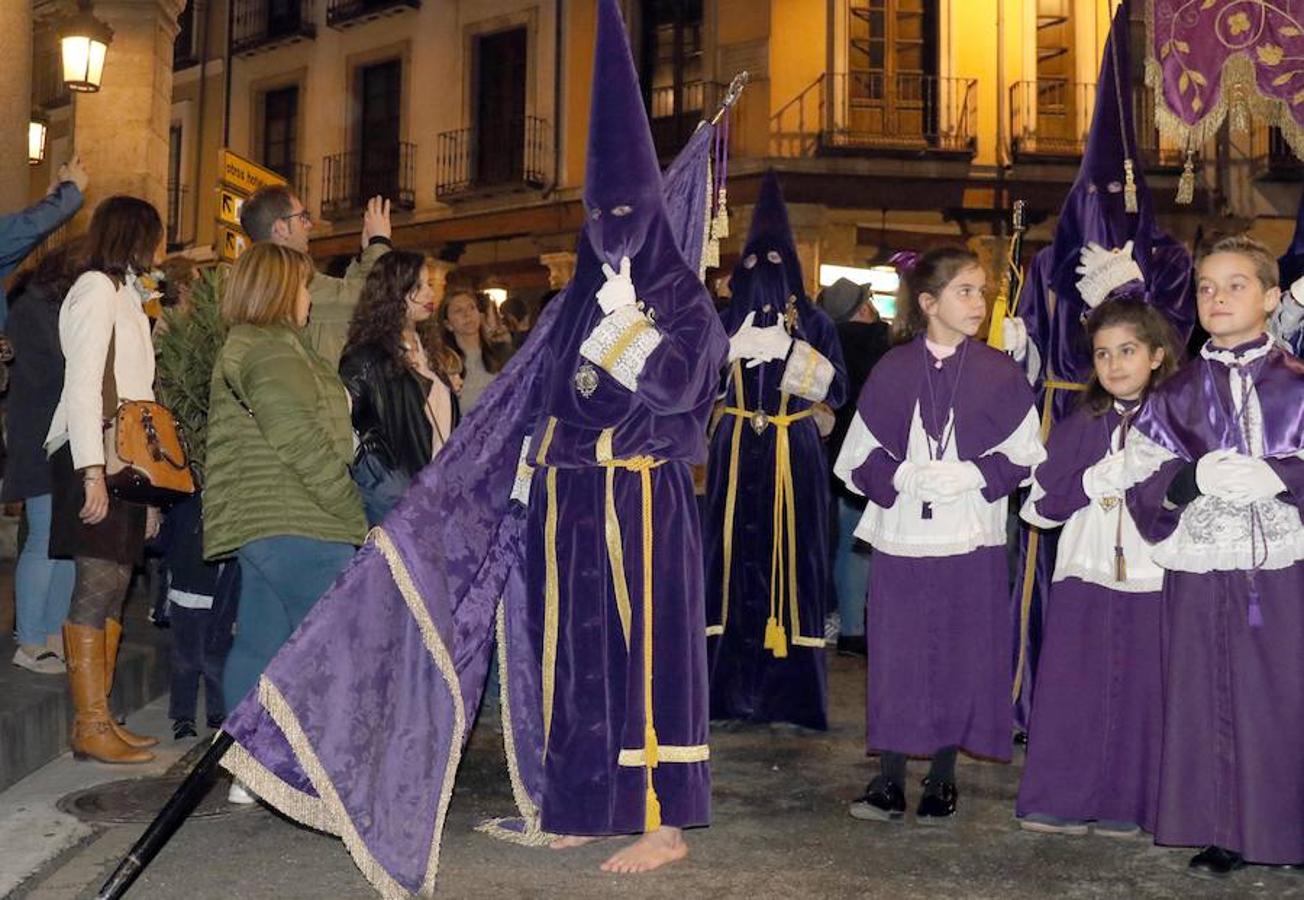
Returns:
(759, 421)
(926, 510)
(586, 380)
(1108, 504)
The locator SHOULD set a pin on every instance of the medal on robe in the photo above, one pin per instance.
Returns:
(1108, 503)
(759, 421)
(586, 380)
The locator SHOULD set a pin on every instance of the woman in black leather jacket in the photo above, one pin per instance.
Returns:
(403, 407)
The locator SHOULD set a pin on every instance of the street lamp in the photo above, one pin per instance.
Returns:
(83, 42)
(36, 131)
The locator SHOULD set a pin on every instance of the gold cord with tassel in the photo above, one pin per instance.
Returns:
(1186, 184)
(1129, 187)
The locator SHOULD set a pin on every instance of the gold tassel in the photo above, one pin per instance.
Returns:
(1129, 187)
(711, 254)
(780, 642)
(1186, 184)
(1120, 565)
(720, 225)
(650, 747)
(771, 632)
(652, 816)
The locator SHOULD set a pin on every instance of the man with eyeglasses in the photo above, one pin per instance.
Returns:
(276, 215)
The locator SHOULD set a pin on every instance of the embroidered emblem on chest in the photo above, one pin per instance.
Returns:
(586, 380)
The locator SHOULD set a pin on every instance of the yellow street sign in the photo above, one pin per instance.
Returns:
(244, 175)
(228, 207)
(230, 243)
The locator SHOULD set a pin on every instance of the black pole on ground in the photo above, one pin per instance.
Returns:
(165, 824)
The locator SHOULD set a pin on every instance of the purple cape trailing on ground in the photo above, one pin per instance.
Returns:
(357, 726)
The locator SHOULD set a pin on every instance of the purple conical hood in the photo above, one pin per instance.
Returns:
(622, 180)
(761, 281)
(1291, 262)
(1095, 209)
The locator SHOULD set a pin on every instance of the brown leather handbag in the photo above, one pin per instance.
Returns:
(145, 459)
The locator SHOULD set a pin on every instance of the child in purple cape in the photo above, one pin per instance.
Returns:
(1216, 464)
(944, 431)
(1094, 732)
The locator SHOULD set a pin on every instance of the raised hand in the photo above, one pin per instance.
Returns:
(618, 291)
(375, 220)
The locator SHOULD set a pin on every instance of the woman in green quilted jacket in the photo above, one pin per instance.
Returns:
(279, 495)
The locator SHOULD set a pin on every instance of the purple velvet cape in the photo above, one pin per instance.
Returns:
(939, 645)
(1234, 692)
(358, 724)
(1094, 732)
(747, 681)
(1051, 306)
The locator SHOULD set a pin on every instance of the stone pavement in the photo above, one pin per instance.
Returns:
(781, 830)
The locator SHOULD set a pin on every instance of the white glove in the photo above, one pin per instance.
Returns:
(775, 342)
(758, 345)
(619, 289)
(1103, 271)
(1105, 478)
(948, 480)
(1014, 336)
(907, 478)
(1237, 478)
(744, 344)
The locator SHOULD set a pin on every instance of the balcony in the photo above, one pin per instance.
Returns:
(178, 231)
(262, 25)
(1050, 118)
(348, 13)
(350, 179)
(1274, 160)
(467, 166)
(296, 175)
(875, 112)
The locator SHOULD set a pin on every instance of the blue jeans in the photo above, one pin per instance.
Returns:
(281, 578)
(850, 571)
(43, 586)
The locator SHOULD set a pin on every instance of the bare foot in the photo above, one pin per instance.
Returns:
(568, 841)
(651, 851)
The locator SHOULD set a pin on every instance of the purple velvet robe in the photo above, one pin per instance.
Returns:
(1234, 688)
(939, 643)
(748, 681)
(1094, 733)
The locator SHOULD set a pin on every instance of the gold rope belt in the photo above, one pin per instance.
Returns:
(1051, 384)
(643, 465)
(783, 565)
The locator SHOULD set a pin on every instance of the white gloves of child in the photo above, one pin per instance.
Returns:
(757, 344)
(1014, 335)
(1104, 271)
(1236, 478)
(938, 481)
(618, 291)
(1105, 478)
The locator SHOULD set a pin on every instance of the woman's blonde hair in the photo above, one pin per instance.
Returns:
(264, 285)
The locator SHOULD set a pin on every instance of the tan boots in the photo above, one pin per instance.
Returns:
(93, 734)
(112, 638)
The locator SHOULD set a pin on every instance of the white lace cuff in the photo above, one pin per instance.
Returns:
(524, 474)
(808, 373)
(621, 344)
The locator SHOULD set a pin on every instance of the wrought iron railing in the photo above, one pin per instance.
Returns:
(465, 164)
(874, 111)
(259, 25)
(350, 179)
(1050, 117)
(296, 175)
(343, 13)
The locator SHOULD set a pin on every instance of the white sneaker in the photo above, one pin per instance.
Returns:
(43, 662)
(239, 794)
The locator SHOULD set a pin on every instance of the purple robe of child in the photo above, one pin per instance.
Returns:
(614, 559)
(1052, 308)
(937, 624)
(1233, 603)
(358, 724)
(768, 578)
(1094, 733)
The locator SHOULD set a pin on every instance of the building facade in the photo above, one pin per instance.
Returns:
(894, 123)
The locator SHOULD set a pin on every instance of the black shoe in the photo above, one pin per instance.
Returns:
(852, 646)
(883, 801)
(183, 728)
(1215, 862)
(215, 721)
(937, 805)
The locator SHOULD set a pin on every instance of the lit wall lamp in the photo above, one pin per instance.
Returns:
(83, 43)
(496, 291)
(37, 128)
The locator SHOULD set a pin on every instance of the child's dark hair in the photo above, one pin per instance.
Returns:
(1150, 328)
(930, 274)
